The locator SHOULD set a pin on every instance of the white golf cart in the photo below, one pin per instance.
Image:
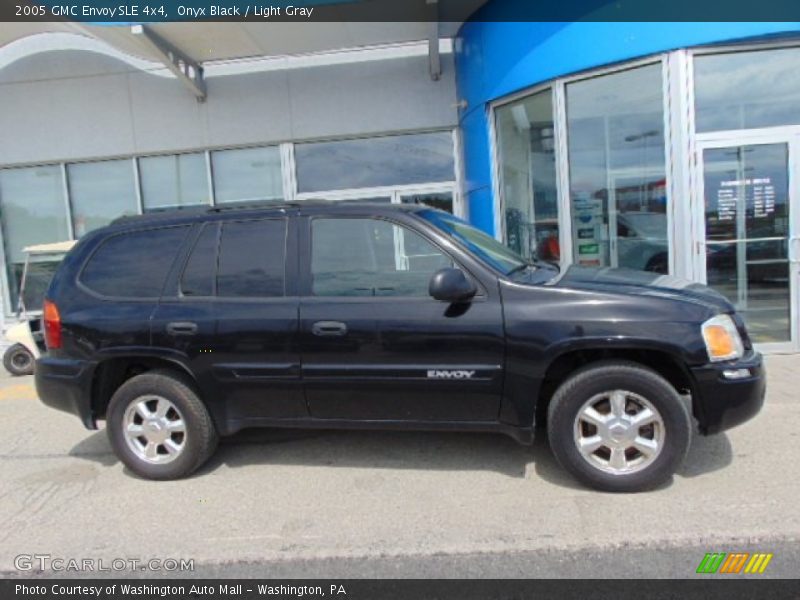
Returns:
(26, 336)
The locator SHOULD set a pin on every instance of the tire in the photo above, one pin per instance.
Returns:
(186, 432)
(18, 360)
(637, 457)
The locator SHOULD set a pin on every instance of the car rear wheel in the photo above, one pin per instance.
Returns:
(619, 427)
(18, 360)
(158, 426)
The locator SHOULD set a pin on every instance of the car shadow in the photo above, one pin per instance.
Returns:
(707, 454)
(413, 450)
(96, 448)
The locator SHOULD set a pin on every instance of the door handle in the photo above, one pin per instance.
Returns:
(182, 328)
(329, 329)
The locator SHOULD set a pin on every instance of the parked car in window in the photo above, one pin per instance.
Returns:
(179, 328)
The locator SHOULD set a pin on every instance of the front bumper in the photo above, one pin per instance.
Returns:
(721, 403)
(66, 385)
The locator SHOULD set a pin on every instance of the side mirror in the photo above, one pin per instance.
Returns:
(451, 285)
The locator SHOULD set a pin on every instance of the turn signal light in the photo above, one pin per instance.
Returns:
(52, 325)
(719, 341)
(722, 338)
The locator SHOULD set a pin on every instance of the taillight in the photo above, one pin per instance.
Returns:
(52, 325)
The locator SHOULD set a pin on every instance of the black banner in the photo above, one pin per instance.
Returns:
(252, 589)
(154, 11)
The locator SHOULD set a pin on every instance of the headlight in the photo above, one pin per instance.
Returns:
(722, 339)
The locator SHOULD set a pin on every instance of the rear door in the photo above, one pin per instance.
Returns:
(234, 317)
(375, 345)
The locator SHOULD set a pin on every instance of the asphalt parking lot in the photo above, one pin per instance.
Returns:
(369, 504)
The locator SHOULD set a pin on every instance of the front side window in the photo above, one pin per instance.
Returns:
(252, 259)
(134, 264)
(371, 257)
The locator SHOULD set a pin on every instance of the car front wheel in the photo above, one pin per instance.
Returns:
(158, 426)
(619, 427)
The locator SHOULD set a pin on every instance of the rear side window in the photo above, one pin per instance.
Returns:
(252, 258)
(135, 264)
(198, 276)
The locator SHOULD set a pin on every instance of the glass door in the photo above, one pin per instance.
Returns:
(749, 231)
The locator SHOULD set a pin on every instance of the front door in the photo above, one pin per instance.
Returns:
(375, 345)
(750, 232)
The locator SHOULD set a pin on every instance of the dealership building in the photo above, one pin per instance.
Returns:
(672, 148)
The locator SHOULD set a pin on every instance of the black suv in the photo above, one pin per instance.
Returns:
(179, 327)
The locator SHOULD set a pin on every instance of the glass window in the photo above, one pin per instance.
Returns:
(743, 90)
(247, 174)
(41, 269)
(375, 162)
(615, 127)
(252, 258)
(135, 264)
(747, 217)
(100, 192)
(498, 256)
(441, 200)
(198, 276)
(526, 151)
(33, 211)
(380, 259)
(174, 181)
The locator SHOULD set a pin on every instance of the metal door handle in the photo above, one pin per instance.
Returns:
(182, 328)
(329, 329)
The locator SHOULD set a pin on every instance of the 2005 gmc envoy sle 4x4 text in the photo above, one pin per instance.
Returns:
(176, 328)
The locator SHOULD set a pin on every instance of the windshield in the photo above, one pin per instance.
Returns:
(487, 248)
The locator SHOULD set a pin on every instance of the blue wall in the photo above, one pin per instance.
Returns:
(494, 59)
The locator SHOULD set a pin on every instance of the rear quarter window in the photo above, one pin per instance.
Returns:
(133, 264)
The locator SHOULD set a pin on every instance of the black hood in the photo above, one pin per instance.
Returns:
(632, 282)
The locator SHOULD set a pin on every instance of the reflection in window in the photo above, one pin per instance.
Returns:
(100, 192)
(248, 174)
(134, 264)
(374, 162)
(747, 233)
(615, 126)
(526, 151)
(380, 259)
(173, 181)
(743, 90)
(252, 259)
(32, 203)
